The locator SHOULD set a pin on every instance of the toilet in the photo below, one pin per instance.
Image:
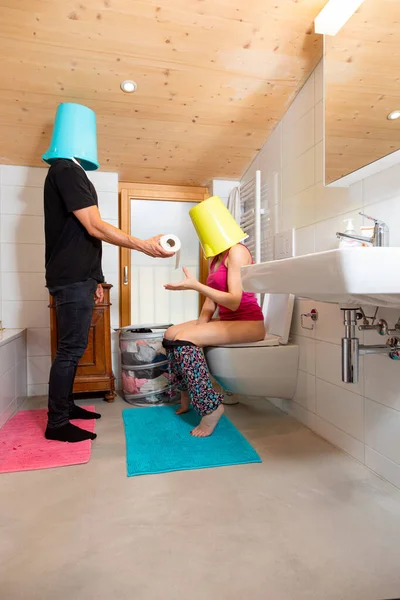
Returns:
(267, 368)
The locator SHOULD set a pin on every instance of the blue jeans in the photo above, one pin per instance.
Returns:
(74, 308)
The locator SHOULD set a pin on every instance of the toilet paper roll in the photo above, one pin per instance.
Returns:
(172, 243)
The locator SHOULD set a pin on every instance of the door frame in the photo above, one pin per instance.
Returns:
(149, 191)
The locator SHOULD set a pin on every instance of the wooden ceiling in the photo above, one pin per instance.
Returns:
(214, 77)
(362, 74)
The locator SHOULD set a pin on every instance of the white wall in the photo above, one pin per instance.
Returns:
(362, 419)
(12, 372)
(222, 188)
(24, 298)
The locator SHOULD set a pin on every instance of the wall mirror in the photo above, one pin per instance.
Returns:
(362, 89)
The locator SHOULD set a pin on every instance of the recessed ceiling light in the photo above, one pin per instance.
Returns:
(395, 114)
(128, 86)
(334, 15)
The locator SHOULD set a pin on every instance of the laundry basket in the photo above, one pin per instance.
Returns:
(144, 366)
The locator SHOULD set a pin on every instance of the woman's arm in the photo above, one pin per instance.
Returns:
(238, 257)
(207, 311)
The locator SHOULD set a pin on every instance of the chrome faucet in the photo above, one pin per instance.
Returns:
(379, 238)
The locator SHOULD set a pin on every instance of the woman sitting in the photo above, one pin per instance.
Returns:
(240, 316)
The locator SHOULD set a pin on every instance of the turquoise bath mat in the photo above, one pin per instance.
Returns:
(158, 441)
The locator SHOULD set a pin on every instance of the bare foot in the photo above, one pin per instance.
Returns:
(185, 404)
(208, 423)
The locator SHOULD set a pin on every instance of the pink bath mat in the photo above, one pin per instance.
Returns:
(23, 446)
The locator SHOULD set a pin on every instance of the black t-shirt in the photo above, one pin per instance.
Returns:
(72, 254)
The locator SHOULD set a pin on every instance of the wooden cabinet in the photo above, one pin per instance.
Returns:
(95, 367)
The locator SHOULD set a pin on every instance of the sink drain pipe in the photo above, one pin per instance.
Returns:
(352, 349)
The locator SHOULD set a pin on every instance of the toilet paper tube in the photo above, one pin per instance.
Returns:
(172, 243)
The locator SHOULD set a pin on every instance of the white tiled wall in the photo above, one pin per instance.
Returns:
(23, 296)
(13, 374)
(362, 419)
(222, 188)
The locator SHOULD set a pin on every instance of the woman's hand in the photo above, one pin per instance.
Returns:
(207, 312)
(203, 320)
(189, 283)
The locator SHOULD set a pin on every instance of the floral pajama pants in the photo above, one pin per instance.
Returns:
(189, 372)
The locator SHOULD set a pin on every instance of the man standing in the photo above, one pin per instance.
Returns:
(74, 231)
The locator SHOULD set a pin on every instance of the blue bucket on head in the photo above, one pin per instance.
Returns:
(74, 136)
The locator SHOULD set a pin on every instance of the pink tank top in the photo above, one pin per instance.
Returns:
(249, 309)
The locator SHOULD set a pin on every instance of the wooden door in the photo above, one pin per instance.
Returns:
(151, 193)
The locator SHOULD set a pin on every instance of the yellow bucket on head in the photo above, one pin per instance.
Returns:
(216, 228)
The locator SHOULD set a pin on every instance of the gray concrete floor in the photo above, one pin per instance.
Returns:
(308, 523)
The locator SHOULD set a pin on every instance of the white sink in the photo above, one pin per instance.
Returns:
(348, 276)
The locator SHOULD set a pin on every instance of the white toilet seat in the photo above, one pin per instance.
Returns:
(269, 340)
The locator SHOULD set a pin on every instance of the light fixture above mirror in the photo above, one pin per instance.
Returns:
(334, 15)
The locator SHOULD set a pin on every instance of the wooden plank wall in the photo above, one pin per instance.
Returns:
(214, 77)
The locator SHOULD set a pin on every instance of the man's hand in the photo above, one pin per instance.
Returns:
(99, 294)
(152, 247)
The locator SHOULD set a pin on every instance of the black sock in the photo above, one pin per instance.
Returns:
(77, 412)
(68, 433)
